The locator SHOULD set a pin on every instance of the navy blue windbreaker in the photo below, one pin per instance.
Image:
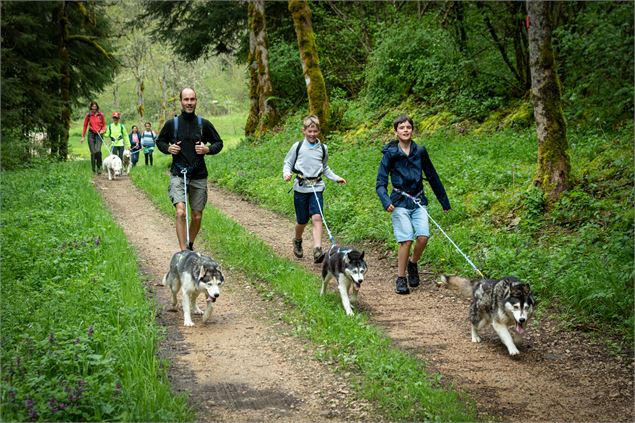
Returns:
(406, 173)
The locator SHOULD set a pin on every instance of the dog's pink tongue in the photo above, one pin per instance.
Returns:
(519, 329)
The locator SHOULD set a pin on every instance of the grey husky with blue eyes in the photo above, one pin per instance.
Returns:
(194, 274)
(348, 267)
(504, 303)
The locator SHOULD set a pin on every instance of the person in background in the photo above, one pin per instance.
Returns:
(134, 138)
(116, 132)
(148, 142)
(95, 123)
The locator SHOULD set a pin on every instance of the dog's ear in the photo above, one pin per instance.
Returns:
(201, 270)
(362, 256)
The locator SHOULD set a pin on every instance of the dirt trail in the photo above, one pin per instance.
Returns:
(559, 376)
(243, 366)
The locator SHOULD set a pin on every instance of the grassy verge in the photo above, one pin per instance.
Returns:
(78, 340)
(394, 380)
(577, 255)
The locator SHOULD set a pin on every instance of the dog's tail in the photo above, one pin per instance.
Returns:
(456, 283)
(165, 278)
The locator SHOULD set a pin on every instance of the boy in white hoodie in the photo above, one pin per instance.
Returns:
(308, 159)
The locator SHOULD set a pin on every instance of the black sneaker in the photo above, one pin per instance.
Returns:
(318, 255)
(402, 286)
(190, 246)
(413, 275)
(297, 248)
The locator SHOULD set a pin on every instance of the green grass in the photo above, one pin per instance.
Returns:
(391, 378)
(79, 339)
(576, 255)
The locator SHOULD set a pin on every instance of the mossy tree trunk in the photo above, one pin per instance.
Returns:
(262, 113)
(553, 159)
(59, 143)
(315, 86)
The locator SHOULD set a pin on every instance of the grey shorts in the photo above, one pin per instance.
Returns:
(196, 190)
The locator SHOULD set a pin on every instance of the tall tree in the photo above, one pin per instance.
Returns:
(262, 113)
(552, 175)
(315, 86)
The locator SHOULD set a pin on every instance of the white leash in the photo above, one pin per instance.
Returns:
(418, 203)
(187, 213)
(322, 214)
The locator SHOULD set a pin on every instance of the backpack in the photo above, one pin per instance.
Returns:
(176, 126)
(297, 150)
(179, 166)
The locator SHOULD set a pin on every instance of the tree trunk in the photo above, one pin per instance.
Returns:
(552, 175)
(315, 86)
(163, 115)
(262, 114)
(140, 104)
(59, 145)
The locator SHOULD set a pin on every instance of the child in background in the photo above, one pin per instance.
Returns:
(308, 159)
(135, 144)
(148, 140)
(404, 162)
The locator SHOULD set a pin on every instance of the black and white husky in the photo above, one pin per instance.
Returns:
(503, 303)
(193, 274)
(348, 267)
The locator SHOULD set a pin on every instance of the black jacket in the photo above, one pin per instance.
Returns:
(189, 133)
(406, 174)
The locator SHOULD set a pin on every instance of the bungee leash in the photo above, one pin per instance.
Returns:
(418, 203)
(187, 213)
(317, 199)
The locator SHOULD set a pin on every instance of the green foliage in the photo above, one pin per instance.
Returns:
(383, 373)
(595, 52)
(418, 61)
(78, 338)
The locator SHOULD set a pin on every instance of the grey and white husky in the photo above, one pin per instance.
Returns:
(194, 274)
(503, 303)
(348, 267)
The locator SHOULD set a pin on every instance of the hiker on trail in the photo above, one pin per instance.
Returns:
(95, 122)
(404, 162)
(148, 142)
(308, 159)
(188, 138)
(116, 133)
(134, 138)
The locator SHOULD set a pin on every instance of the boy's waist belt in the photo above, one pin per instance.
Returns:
(308, 181)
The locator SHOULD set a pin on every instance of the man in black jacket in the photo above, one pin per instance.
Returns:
(188, 138)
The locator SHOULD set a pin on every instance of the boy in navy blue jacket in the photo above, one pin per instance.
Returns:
(405, 162)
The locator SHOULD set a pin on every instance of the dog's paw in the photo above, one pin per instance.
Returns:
(476, 338)
(197, 310)
(190, 323)
(513, 351)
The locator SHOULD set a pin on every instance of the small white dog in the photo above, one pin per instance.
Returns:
(112, 164)
(127, 162)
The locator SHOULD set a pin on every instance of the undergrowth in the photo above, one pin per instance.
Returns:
(78, 339)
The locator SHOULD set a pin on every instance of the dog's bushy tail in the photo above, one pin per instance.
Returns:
(456, 283)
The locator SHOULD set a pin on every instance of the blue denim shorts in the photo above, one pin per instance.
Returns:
(306, 205)
(408, 224)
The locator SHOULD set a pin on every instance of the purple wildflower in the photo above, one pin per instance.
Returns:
(91, 330)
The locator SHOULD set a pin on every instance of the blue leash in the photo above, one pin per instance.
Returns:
(418, 203)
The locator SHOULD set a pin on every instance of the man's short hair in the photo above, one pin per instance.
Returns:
(186, 88)
(311, 120)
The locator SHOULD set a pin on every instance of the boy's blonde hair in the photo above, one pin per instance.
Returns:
(311, 120)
